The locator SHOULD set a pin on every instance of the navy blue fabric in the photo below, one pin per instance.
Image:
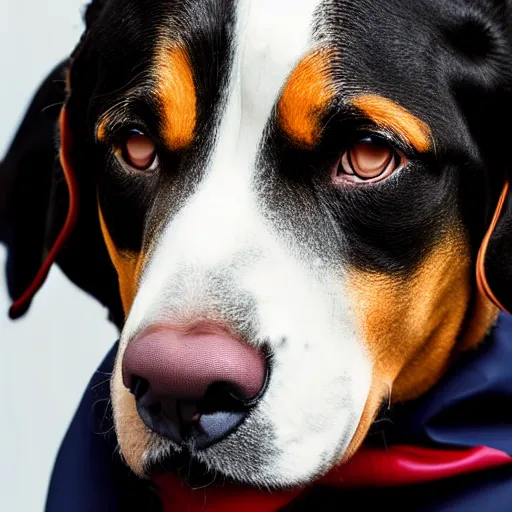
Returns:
(470, 406)
(89, 475)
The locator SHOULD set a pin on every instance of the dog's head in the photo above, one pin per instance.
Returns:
(293, 196)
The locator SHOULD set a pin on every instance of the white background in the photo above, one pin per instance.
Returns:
(47, 357)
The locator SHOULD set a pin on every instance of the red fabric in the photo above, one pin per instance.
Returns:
(370, 467)
(402, 465)
(176, 497)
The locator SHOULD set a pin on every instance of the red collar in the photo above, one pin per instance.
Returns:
(370, 467)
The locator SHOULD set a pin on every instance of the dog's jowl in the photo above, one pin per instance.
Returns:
(282, 204)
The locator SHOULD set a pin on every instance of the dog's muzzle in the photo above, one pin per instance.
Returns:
(193, 387)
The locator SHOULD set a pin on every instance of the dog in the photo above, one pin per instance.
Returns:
(297, 214)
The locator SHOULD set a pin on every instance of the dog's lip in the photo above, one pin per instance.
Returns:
(188, 467)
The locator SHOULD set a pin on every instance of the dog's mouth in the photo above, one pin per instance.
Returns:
(193, 472)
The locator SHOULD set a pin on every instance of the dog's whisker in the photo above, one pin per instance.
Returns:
(106, 432)
(390, 387)
(99, 384)
(384, 441)
(205, 486)
(383, 419)
(99, 400)
(56, 104)
(105, 413)
(206, 472)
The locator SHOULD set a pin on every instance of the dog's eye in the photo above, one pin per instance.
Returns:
(368, 160)
(137, 150)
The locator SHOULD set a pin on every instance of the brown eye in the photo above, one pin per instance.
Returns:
(368, 160)
(139, 151)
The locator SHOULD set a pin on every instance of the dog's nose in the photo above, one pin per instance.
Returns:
(196, 386)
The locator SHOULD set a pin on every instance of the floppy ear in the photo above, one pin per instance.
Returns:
(494, 260)
(26, 176)
(47, 212)
(488, 112)
(479, 37)
(494, 266)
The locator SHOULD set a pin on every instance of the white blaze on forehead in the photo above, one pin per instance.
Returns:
(271, 39)
(271, 36)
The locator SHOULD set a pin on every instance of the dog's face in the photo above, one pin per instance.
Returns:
(292, 194)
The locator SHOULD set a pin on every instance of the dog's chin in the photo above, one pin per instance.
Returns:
(194, 472)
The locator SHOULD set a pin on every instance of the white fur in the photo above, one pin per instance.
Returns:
(321, 375)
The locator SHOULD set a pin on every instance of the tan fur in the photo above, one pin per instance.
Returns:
(306, 94)
(128, 267)
(412, 328)
(101, 128)
(133, 436)
(389, 114)
(175, 90)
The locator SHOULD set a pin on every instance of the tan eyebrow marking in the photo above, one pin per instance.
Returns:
(393, 116)
(101, 129)
(305, 96)
(176, 92)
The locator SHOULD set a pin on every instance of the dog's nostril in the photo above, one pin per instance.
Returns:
(139, 387)
(222, 396)
(155, 409)
(189, 412)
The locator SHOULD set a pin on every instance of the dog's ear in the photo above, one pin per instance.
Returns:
(494, 265)
(487, 112)
(26, 182)
(37, 206)
(92, 12)
(482, 84)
